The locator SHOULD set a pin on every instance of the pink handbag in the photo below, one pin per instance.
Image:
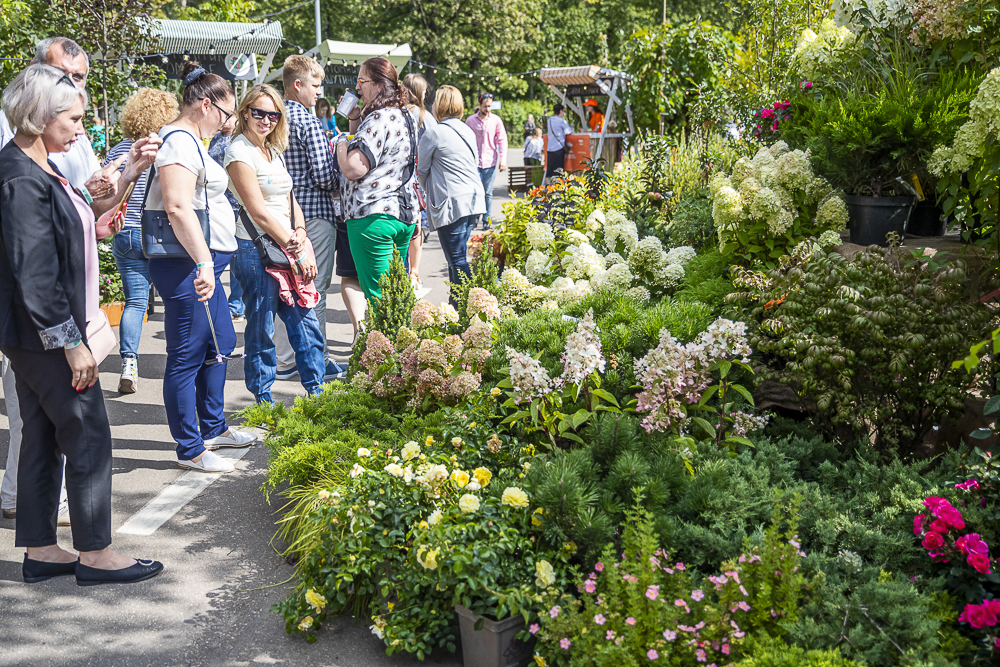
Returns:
(100, 338)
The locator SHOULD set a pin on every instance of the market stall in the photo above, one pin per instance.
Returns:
(342, 60)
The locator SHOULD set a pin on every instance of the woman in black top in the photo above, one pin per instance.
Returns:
(44, 271)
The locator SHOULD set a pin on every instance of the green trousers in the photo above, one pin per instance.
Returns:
(372, 240)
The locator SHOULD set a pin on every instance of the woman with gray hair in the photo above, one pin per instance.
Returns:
(48, 288)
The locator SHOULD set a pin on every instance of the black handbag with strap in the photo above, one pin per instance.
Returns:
(158, 237)
(272, 255)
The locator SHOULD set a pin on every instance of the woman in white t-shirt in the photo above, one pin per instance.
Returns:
(263, 186)
(187, 179)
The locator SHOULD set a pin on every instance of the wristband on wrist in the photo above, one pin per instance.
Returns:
(201, 265)
(299, 260)
(70, 346)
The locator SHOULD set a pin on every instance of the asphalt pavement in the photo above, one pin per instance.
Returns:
(211, 605)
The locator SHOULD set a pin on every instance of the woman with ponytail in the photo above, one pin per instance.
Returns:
(416, 87)
(379, 164)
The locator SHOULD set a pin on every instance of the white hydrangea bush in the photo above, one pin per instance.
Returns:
(770, 203)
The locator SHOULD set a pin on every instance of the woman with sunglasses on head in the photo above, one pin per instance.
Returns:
(380, 167)
(186, 179)
(48, 288)
(264, 188)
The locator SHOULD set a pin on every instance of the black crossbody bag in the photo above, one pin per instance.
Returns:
(270, 251)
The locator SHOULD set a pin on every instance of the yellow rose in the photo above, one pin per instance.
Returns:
(306, 623)
(495, 391)
(468, 503)
(410, 451)
(315, 600)
(545, 575)
(424, 525)
(460, 477)
(394, 469)
(539, 660)
(483, 476)
(429, 441)
(428, 558)
(456, 442)
(514, 497)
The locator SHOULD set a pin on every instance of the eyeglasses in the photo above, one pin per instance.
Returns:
(363, 80)
(65, 79)
(227, 114)
(260, 114)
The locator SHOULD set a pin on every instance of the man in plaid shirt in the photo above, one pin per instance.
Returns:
(316, 184)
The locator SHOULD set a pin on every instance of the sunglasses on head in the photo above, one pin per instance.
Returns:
(486, 96)
(260, 114)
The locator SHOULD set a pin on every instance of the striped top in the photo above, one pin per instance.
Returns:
(133, 216)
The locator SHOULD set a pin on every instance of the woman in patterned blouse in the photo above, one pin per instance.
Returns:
(379, 164)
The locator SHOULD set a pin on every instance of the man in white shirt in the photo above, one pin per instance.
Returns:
(556, 149)
(105, 186)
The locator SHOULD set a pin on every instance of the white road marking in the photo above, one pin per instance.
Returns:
(172, 499)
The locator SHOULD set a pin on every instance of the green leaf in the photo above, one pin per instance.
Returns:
(607, 396)
(739, 440)
(743, 392)
(579, 417)
(480, 622)
(574, 437)
(705, 425)
(992, 405)
(724, 368)
(981, 433)
(707, 396)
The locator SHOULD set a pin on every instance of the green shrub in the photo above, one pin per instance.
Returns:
(706, 279)
(513, 113)
(692, 223)
(770, 652)
(870, 341)
(390, 311)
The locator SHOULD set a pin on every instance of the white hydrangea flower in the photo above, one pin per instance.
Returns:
(618, 228)
(529, 378)
(616, 279)
(794, 170)
(582, 261)
(681, 255)
(832, 214)
(537, 266)
(582, 355)
(613, 258)
(595, 220)
(640, 294)
(829, 239)
(670, 276)
(540, 235)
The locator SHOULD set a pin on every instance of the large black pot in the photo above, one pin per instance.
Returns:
(927, 220)
(872, 219)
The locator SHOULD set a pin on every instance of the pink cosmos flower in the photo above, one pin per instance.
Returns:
(600, 620)
(697, 595)
(652, 654)
(669, 635)
(534, 628)
(590, 586)
(653, 592)
(554, 612)
(599, 567)
(630, 620)
(564, 643)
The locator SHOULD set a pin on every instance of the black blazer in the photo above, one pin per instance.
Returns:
(42, 266)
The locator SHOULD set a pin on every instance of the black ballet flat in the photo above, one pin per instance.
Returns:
(35, 571)
(142, 569)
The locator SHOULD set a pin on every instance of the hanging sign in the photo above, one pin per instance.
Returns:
(231, 66)
(341, 76)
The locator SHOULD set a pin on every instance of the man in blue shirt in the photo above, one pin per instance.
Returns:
(556, 149)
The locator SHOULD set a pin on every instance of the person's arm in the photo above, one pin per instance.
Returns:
(178, 185)
(140, 157)
(296, 245)
(502, 144)
(425, 154)
(355, 157)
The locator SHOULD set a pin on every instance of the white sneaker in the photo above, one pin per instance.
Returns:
(63, 518)
(235, 440)
(129, 381)
(210, 462)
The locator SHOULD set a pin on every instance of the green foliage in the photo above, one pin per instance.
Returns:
(706, 280)
(514, 113)
(674, 66)
(229, 11)
(628, 330)
(110, 281)
(691, 223)
(767, 651)
(863, 141)
(390, 311)
(870, 341)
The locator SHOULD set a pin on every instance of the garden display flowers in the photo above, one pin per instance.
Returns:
(817, 51)
(771, 203)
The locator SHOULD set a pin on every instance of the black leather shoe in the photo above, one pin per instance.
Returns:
(10, 514)
(34, 571)
(142, 570)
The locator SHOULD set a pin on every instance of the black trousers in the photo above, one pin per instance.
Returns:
(555, 160)
(59, 421)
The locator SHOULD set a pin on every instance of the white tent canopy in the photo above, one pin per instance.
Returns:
(201, 37)
(339, 52)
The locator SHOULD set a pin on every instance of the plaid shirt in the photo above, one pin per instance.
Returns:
(310, 162)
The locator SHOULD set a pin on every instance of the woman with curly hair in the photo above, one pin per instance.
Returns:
(379, 164)
(144, 113)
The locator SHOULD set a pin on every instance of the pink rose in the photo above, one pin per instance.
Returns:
(918, 524)
(980, 562)
(950, 516)
(767, 113)
(939, 526)
(971, 543)
(981, 616)
(932, 541)
(967, 485)
(934, 501)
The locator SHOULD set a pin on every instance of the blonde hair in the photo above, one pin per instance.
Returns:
(448, 103)
(277, 138)
(147, 111)
(297, 68)
(537, 133)
(416, 86)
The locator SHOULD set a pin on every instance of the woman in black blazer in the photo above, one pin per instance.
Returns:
(44, 272)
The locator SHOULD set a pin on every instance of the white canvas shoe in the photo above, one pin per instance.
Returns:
(210, 462)
(234, 440)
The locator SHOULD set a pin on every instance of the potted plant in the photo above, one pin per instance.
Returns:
(871, 141)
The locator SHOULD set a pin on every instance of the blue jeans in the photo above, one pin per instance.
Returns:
(487, 176)
(193, 393)
(260, 295)
(454, 239)
(134, 269)
(236, 307)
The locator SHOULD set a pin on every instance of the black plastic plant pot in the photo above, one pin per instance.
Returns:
(927, 220)
(872, 219)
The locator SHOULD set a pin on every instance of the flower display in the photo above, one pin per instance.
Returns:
(540, 235)
(583, 261)
(970, 140)
(514, 497)
(482, 302)
(483, 476)
(529, 378)
(468, 503)
(620, 233)
(460, 478)
(536, 267)
(582, 355)
(428, 557)
(817, 51)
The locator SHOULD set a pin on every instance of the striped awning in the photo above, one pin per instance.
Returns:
(568, 76)
(199, 36)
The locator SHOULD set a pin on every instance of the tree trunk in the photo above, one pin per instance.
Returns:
(431, 75)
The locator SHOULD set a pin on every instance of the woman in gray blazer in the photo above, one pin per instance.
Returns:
(447, 170)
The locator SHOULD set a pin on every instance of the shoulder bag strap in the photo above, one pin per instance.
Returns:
(455, 130)
(152, 170)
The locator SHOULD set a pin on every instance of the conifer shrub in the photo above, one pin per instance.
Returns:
(767, 651)
(706, 279)
(389, 312)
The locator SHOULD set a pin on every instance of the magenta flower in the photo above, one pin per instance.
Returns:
(564, 643)
(652, 654)
(600, 620)
(967, 485)
(725, 649)
(697, 595)
(971, 543)
(630, 620)
(680, 566)
(534, 628)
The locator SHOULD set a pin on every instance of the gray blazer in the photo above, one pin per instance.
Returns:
(447, 168)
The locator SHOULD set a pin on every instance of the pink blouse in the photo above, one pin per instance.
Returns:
(89, 249)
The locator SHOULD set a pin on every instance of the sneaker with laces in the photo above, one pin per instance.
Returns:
(286, 374)
(210, 462)
(129, 381)
(233, 440)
